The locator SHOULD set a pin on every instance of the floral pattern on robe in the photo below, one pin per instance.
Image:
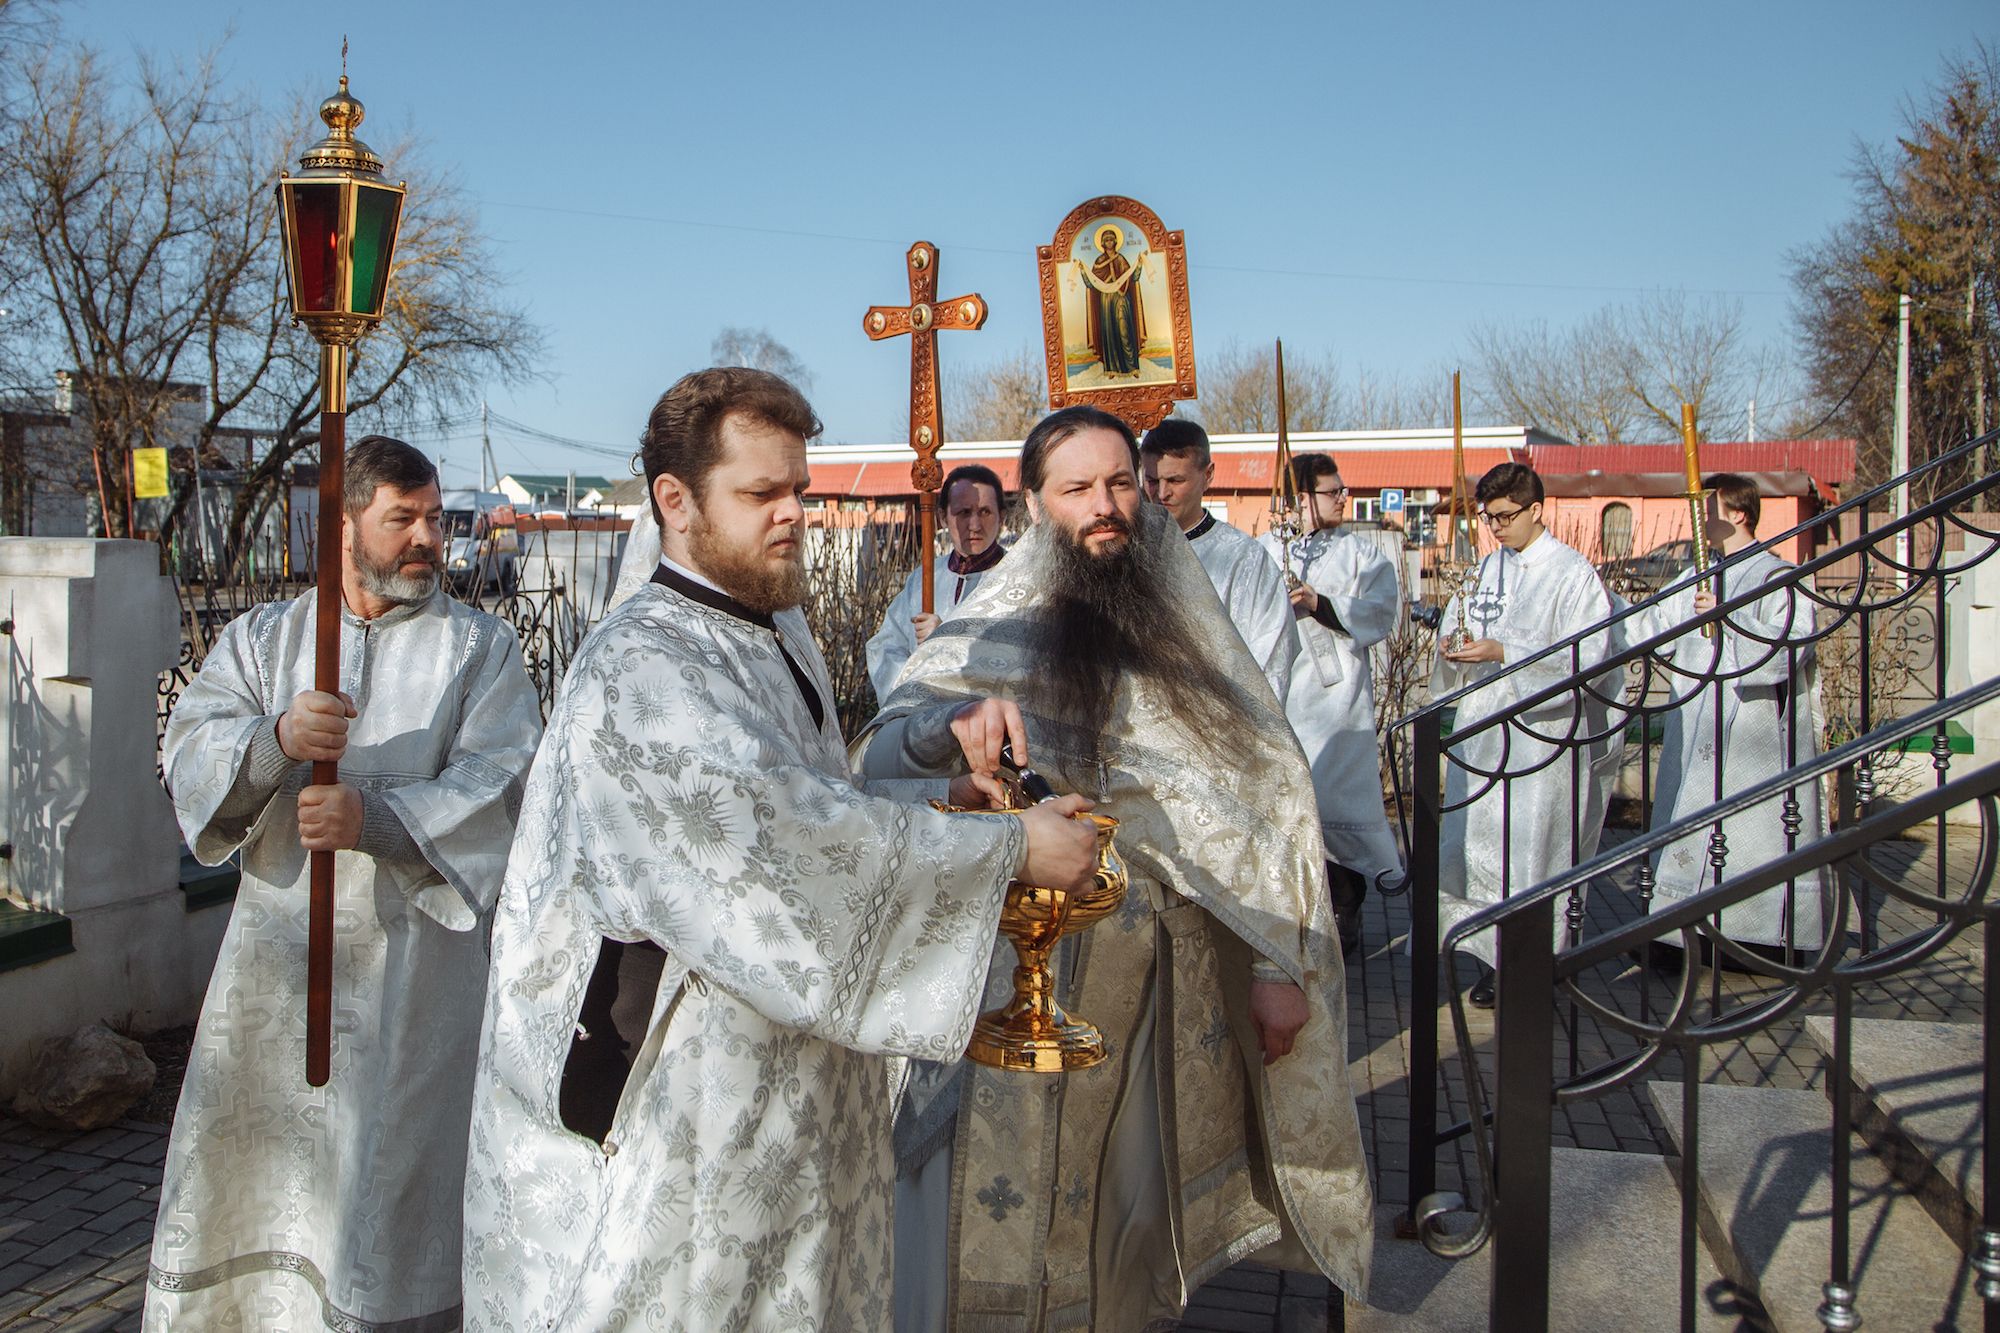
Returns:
(814, 927)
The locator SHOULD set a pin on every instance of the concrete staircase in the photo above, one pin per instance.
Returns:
(1764, 1211)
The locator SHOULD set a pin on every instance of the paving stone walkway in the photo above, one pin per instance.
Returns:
(76, 1211)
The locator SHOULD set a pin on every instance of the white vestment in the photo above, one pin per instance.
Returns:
(1331, 703)
(1101, 1198)
(813, 927)
(1521, 825)
(1768, 721)
(891, 645)
(1252, 593)
(287, 1206)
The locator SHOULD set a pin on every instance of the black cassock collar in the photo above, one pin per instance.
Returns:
(717, 600)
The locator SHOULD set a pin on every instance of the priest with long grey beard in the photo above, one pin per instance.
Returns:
(1222, 1122)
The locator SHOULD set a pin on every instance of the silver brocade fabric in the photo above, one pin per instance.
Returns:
(1519, 824)
(1241, 849)
(815, 927)
(1766, 720)
(1331, 703)
(286, 1206)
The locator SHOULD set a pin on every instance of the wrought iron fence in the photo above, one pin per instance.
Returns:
(1866, 614)
(1650, 1025)
(561, 585)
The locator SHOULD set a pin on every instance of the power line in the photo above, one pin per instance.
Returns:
(1016, 252)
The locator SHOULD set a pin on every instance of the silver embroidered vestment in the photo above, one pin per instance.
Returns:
(813, 927)
(286, 1206)
(1101, 1198)
(1253, 594)
(891, 645)
(1331, 702)
(1765, 720)
(1521, 825)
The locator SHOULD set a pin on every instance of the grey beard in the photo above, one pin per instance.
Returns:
(392, 585)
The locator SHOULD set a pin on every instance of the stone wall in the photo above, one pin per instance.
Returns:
(91, 834)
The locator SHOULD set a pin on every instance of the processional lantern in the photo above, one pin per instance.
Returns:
(340, 223)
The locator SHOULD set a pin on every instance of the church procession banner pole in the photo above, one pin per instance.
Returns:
(922, 318)
(1460, 581)
(1697, 500)
(1285, 517)
(340, 224)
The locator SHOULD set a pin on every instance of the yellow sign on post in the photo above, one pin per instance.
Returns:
(149, 474)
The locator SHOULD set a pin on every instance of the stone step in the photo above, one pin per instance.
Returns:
(1917, 1100)
(1766, 1210)
(1612, 1262)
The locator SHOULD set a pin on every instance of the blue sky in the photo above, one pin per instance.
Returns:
(1366, 181)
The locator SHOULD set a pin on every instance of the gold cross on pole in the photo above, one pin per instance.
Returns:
(922, 318)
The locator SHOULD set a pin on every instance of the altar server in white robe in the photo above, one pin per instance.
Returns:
(1222, 1121)
(974, 503)
(283, 1205)
(1521, 825)
(1345, 601)
(1178, 471)
(693, 790)
(1765, 721)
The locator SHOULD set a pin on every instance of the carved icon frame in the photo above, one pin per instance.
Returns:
(1075, 339)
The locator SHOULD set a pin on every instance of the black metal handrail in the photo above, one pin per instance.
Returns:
(1579, 699)
(1514, 1210)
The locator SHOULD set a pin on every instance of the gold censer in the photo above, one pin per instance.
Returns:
(1032, 1033)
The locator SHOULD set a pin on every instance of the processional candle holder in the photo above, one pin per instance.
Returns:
(1031, 1033)
(340, 223)
(1461, 576)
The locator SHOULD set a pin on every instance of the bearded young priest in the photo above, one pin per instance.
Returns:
(693, 791)
(1222, 1122)
(289, 1206)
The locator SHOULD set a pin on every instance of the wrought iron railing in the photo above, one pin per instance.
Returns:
(1867, 613)
(1534, 1075)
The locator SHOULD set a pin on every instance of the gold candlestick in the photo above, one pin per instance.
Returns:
(1696, 497)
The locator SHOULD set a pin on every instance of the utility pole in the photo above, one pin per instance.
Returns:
(485, 444)
(1753, 421)
(1899, 448)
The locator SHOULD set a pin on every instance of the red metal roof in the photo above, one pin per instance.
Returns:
(1361, 470)
(1828, 462)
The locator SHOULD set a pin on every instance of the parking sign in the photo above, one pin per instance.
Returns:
(1392, 501)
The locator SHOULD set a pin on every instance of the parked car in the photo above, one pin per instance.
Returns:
(1636, 577)
(481, 546)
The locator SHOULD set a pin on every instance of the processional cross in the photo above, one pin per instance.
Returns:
(922, 318)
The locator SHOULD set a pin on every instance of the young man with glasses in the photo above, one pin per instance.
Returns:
(1345, 600)
(1522, 825)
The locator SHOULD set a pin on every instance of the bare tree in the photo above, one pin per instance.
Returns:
(1239, 390)
(143, 217)
(999, 400)
(756, 348)
(1623, 372)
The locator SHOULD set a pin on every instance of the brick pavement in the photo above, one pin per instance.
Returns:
(76, 1211)
(76, 1223)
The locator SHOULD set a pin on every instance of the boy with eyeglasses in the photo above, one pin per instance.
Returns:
(1345, 601)
(1524, 811)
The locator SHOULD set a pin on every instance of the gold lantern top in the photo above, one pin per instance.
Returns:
(340, 221)
(340, 150)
